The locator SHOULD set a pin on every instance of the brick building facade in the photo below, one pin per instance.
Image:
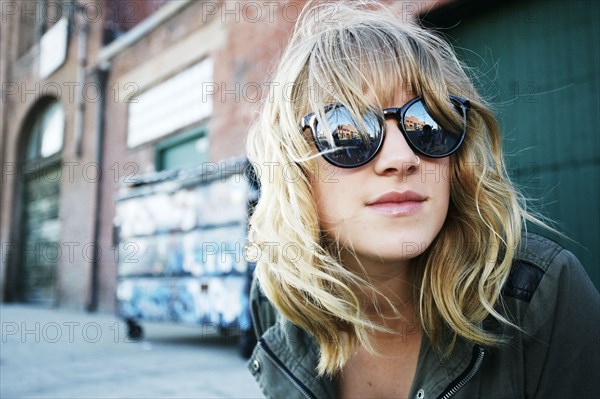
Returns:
(130, 47)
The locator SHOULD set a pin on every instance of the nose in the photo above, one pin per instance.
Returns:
(395, 156)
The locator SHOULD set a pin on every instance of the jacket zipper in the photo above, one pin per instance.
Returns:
(281, 367)
(463, 381)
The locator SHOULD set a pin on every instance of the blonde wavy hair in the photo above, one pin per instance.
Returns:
(342, 53)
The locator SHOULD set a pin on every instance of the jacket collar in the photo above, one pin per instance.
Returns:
(299, 353)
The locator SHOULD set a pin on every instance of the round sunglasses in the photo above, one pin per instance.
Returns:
(350, 144)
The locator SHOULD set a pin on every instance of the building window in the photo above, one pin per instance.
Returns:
(47, 133)
(184, 150)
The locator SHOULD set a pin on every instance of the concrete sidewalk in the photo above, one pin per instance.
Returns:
(47, 353)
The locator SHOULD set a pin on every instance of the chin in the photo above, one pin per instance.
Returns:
(397, 250)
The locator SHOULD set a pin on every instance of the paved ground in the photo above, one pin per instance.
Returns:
(61, 354)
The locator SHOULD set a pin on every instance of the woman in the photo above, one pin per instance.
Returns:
(397, 265)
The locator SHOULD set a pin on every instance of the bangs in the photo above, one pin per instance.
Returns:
(362, 66)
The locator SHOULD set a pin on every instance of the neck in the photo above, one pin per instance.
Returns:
(392, 301)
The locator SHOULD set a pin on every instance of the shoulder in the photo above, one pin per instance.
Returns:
(537, 257)
(547, 284)
(547, 280)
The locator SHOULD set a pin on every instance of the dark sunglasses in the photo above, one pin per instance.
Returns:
(351, 145)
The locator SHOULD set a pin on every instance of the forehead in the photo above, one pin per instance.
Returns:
(401, 97)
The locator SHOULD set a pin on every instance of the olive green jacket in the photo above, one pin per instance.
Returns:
(556, 355)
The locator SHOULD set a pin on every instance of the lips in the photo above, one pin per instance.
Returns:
(396, 197)
(397, 203)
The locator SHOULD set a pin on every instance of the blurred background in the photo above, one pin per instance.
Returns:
(125, 190)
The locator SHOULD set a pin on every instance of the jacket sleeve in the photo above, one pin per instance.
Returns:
(562, 356)
(264, 315)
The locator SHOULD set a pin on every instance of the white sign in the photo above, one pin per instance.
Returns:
(53, 48)
(171, 105)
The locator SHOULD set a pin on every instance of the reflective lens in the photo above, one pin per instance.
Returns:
(428, 136)
(350, 144)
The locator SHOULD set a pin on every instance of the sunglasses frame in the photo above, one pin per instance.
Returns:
(310, 122)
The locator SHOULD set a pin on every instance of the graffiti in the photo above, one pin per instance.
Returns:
(186, 300)
(190, 237)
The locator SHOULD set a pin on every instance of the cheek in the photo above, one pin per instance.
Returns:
(331, 189)
(442, 186)
(325, 196)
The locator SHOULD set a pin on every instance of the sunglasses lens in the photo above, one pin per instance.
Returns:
(430, 137)
(348, 143)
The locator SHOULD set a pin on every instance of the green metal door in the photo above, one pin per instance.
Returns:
(40, 249)
(538, 63)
